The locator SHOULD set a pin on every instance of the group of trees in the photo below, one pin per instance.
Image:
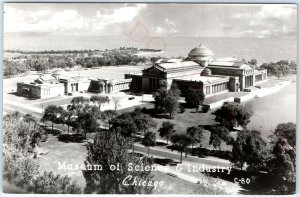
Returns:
(112, 58)
(182, 141)
(279, 161)
(281, 68)
(232, 115)
(38, 63)
(252, 152)
(21, 137)
(80, 115)
(129, 124)
(14, 68)
(166, 100)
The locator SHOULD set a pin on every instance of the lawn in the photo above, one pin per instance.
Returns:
(173, 185)
(184, 120)
(56, 151)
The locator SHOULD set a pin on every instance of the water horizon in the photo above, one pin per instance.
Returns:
(262, 49)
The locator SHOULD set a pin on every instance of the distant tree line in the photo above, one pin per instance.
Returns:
(111, 59)
(281, 68)
(135, 49)
(41, 62)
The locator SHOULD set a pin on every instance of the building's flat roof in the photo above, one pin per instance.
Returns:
(113, 80)
(204, 79)
(42, 85)
(229, 62)
(175, 65)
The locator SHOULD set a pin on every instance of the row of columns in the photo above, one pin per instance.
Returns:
(107, 88)
(215, 88)
(247, 81)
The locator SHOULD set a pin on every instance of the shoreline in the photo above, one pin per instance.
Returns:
(262, 92)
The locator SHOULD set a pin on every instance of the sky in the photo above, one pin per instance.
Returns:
(202, 20)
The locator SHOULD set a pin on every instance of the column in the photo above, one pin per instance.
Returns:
(243, 82)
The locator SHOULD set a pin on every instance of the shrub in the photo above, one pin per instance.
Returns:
(181, 109)
(205, 108)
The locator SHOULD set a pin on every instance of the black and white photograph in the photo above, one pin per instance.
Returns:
(149, 98)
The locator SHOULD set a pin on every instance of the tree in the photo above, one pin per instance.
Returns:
(166, 100)
(174, 91)
(107, 117)
(195, 133)
(253, 63)
(49, 183)
(287, 131)
(166, 130)
(149, 140)
(194, 98)
(41, 65)
(232, 115)
(171, 105)
(107, 149)
(68, 119)
(78, 107)
(60, 115)
(143, 121)
(282, 168)
(50, 114)
(182, 141)
(77, 103)
(21, 137)
(100, 100)
(116, 102)
(89, 123)
(159, 97)
(29, 118)
(125, 125)
(219, 134)
(249, 148)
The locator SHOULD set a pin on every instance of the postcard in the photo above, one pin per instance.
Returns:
(149, 98)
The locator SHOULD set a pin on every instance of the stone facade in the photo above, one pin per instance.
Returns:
(105, 86)
(39, 91)
(75, 84)
(227, 74)
(209, 85)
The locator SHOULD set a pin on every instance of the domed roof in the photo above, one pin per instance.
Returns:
(59, 72)
(101, 82)
(112, 82)
(206, 72)
(201, 51)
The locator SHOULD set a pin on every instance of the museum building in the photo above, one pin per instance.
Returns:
(61, 83)
(199, 72)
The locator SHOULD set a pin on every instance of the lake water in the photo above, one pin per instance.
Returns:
(262, 49)
(273, 109)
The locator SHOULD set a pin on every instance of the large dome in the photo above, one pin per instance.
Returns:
(200, 52)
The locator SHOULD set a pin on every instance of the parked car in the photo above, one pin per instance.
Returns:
(131, 98)
(71, 138)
